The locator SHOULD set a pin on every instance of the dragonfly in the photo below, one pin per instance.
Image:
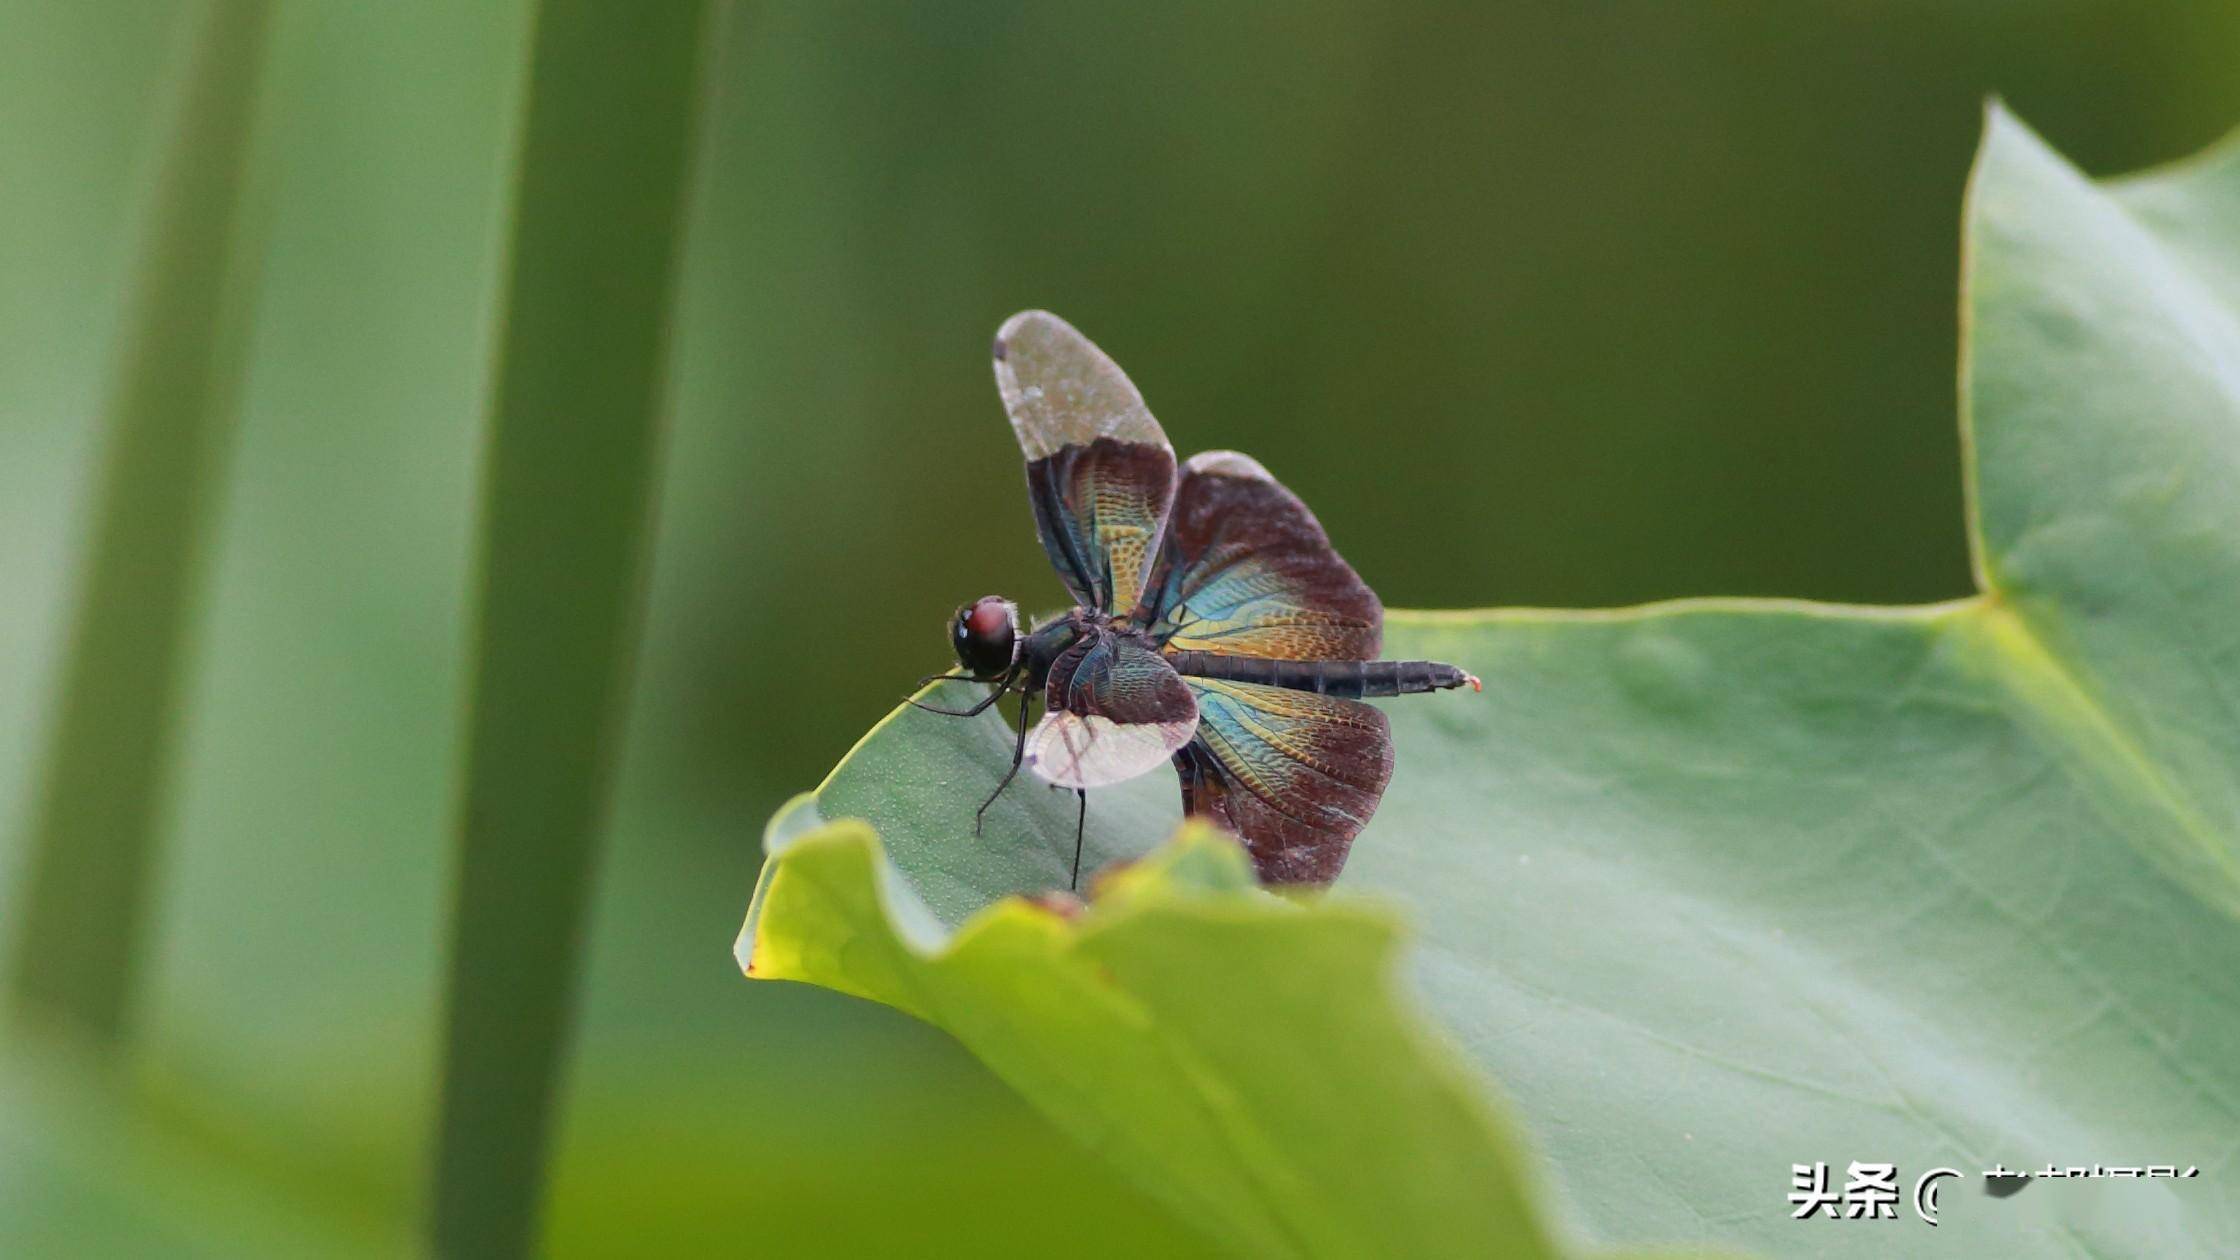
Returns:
(1214, 627)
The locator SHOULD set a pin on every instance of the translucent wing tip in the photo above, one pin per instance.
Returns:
(1061, 390)
(1034, 345)
(1228, 464)
(1086, 750)
(1033, 326)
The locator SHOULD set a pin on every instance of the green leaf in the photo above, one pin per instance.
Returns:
(1141, 1028)
(1711, 888)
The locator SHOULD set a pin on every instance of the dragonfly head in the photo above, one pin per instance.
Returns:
(985, 635)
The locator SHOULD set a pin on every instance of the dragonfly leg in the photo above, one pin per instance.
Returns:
(1080, 829)
(1018, 754)
(1003, 685)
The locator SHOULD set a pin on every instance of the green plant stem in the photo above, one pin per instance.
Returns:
(612, 107)
(92, 840)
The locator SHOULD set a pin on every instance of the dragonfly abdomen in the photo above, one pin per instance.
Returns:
(1351, 680)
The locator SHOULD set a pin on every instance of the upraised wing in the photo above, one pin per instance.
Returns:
(1294, 774)
(1099, 471)
(1245, 570)
(1115, 710)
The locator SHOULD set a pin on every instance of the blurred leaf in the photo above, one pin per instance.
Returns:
(613, 99)
(85, 1171)
(689, 1156)
(1713, 887)
(108, 761)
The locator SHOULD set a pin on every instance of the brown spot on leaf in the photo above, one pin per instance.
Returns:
(1063, 904)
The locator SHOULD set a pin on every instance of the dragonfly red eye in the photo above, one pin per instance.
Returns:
(989, 618)
(984, 636)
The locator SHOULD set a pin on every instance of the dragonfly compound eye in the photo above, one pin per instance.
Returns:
(986, 635)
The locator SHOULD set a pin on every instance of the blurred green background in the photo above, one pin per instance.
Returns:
(1547, 304)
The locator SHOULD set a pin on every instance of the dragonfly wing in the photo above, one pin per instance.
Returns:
(1294, 774)
(1245, 570)
(1099, 470)
(1115, 710)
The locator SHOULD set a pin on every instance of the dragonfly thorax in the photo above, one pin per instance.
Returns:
(1050, 641)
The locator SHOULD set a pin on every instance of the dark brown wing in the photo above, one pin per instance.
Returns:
(1294, 774)
(1245, 570)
